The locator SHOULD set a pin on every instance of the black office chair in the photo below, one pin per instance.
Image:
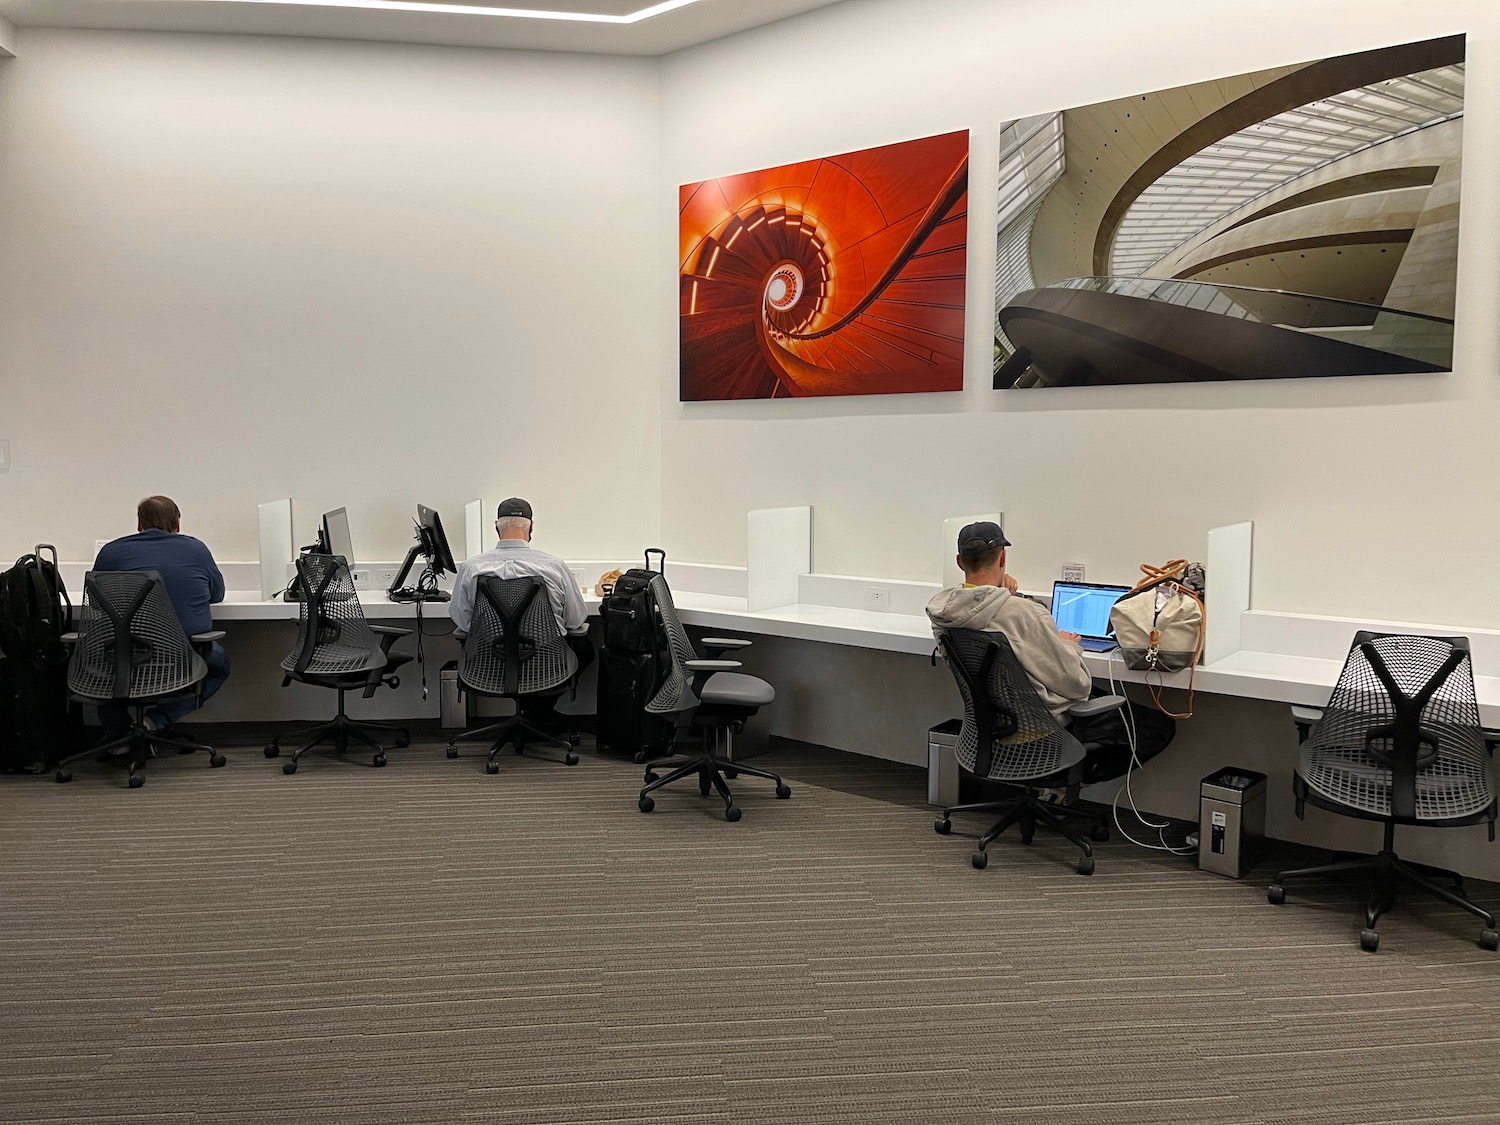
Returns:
(708, 695)
(1010, 736)
(130, 650)
(1399, 742)
(337, 648)
(515, 648)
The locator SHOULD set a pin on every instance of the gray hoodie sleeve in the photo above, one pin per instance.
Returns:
(1055, 666)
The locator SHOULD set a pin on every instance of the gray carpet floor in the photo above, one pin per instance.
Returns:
(426, 943)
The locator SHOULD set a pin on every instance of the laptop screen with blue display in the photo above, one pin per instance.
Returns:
(1083, 607)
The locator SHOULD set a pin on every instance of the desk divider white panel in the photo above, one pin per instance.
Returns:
(7, 39)
(778, 551)
(952, 576)
(276, 547)
(1228, 595)
(473, 529)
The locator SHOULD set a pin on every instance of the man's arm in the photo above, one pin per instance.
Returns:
(1047, 657)
(215, 576)
(461, 607)
(575, 613)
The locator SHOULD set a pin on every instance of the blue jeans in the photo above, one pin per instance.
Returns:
(114, 717)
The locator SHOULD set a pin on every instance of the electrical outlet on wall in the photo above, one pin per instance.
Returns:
(877, 597)
(1072, 572)
(360, 577)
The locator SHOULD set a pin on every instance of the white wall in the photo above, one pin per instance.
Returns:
(235, 269)
(1363, 491)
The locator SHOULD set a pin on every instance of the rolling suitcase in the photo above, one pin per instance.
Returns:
(632, 664)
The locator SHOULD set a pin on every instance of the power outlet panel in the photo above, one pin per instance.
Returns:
(4, 455)
(878, 597)
(1073, 572)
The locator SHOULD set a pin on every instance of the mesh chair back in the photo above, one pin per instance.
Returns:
(1400, 736)
(333, 637)
(130, 644)
(515, 646)
(1008, 734)
(676, 692)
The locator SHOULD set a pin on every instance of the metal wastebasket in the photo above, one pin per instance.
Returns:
(451, 710)
(1231, 820)
(942, 764)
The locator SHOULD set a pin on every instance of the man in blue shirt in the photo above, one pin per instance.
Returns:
(193, 583)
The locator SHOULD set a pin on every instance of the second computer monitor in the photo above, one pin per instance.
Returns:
(336, 535)
(432, 531)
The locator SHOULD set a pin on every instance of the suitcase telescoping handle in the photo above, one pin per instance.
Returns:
(661, 566)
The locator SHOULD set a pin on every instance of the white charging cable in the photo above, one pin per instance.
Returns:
(1118, 688)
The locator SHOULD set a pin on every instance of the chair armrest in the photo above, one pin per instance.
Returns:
(1491, 738)
(1305, 717)
(207, 638)
(711, 665)
(69, 638)
(1099, 705)
(716, 647)
(388, 635)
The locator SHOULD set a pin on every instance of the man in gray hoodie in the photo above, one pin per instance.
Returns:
(988, 601)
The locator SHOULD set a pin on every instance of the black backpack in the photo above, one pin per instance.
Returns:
(35, 610)
(629, 610)
(37, 721)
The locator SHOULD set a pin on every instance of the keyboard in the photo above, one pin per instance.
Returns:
(1092, 644)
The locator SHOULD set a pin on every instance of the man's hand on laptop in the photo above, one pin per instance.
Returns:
(1071, 638)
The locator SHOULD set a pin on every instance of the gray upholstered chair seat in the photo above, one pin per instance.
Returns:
(736, 689)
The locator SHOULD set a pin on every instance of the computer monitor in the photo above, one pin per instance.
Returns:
(336, 535)
(431, 529)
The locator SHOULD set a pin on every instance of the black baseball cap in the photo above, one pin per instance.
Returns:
(982, 536)
(515, 506)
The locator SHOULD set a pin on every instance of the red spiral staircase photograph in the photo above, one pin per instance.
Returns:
(837, 276)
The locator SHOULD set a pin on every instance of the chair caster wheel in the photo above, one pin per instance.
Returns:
(1369, 940)
(1099, 833)
(732, 813)
(491, 767)
(453, 751)
(942, 826)
(217, 760)
(1489, 939)
(272, 750)
(570, 759)
(783, 792)
(403, 740)
(1027, 837)
(289, 767)
(378, 760)
(980, 860)
(731, 773)
(703, 788)
(1276, 894)
(646, 804)
(137, 780)
(640, 757)
(650, 776)
(1086, 865)
(62, 778)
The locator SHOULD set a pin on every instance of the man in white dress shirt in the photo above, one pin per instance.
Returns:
(515, 557)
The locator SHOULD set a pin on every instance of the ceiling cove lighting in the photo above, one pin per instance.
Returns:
(475, 9)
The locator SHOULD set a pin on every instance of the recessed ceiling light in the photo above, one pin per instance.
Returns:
(477, 9)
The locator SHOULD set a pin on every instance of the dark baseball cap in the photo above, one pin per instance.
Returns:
(515, 506)
(982, 536)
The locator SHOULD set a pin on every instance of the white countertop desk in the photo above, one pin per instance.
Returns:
(1246, 673)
